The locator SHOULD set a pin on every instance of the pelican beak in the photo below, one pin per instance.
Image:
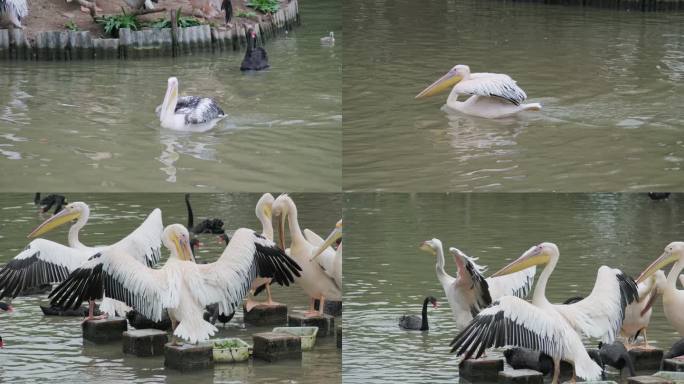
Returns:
(651, 299)
(268, 211)
(63, 217)
(281, 231)
(424, 246)
(661, 262)
(332, 237)
(183, 249)
(443, 84)
(533, 256)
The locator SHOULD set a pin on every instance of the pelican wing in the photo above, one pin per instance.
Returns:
(517, 284)
(512, 321)
(326, 259)
(41, 262)
(144, 243)
(681, 279)
(122, 277)
(247, 256)
(470, 276)
(601, 313)
(198, 110)
(492, 85)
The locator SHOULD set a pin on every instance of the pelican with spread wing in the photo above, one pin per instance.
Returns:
(470, 291)
(554, 329)
(181, 286)
(45, 262)
(492, 95)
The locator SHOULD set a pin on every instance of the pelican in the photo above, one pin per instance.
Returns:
(470, 292)
(673, 298)
(187, 113)
(329, 261)
(263, 211)
(314, 280)
(13, 11)
(44, 261)
(328, 40)
(554, 329)
(493, 95)
(181, 286)
(638, 314)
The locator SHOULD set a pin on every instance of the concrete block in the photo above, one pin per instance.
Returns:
(481, 370)
(521, 376)
(271, 346)
(104, 330)
(332, 308)
(144, 342)
(648, 380)
(646, 359)
(338, 335)
(266, 315)
(675, 365)
(188, 357)
(325, 323)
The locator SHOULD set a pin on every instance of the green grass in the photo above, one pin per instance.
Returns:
(245, 14)
(70, 25)
(227, 344)
(183, 22)
(112, 23)
(264, 6)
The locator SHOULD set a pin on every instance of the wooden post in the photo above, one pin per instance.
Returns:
(174, 32)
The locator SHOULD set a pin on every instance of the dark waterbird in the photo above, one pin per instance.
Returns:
(211, 314)
(47, 202)
(658, 195)
(414, 322)
(256, 58)
(614, 355)
(6, 307)
(524, 358)
(213, 226)
(227, 6)
(139, 321)
(676, 350)
(55, 310)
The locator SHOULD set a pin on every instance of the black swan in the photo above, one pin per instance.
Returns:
(212, 226)
(676, 350)
(227, 6)
(256, 58)
(47, 202)
(523, 358)
(6, 307)
(415, 322)
(139, 321)
(658, 195)
(615, 355)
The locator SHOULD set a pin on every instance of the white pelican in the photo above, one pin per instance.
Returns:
(263, 211)
(13, 11)
(187, 113)
(551, 328)
(330, 260)
(673, 298)
(470, 292)
(314, 280)
(181, 286)
(328, 40)
(638, 314)
(493, 95)
(44, 261)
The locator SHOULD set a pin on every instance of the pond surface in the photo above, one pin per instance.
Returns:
(90, 125)
(611, 85)
(386, 275)
(39, 347)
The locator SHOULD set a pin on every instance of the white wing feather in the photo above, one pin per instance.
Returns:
(145, 241)
(517, 284)
(492, 84)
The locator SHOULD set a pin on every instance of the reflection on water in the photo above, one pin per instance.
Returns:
(42, 348)
(386, 275)
(283, 129)
(609, 82)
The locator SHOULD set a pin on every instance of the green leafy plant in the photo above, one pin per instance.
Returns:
(70, 25)
(245, 14)
(227, 344)
(112, 23)
(183, 22)
(264, 6)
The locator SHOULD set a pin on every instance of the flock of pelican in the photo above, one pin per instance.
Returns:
(127, 275)
(493, 312)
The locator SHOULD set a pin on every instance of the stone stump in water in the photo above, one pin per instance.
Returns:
(332, 308)
(104, 330)
(646, 359)
(144, 342)
(481, 370)
(521, 376)
(263, 314)
(673, 365)
(272, 346)
(188, 357)
(325, 323)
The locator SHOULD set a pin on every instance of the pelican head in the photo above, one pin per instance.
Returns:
(431, 246)
(170, 99)
(673, 252)
(537, 255)
(177, 240)
(446, 82)
(332, 238)
(264, 207)
(69, 213)
(281, 208)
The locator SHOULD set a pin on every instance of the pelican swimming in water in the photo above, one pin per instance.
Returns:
(470, 292)
(673, 298)
(13, 11)
(181, 286)
(492, 95)
(187, 113)
(44, 261)
(328, 40)
(554, 329)
(314, 280)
